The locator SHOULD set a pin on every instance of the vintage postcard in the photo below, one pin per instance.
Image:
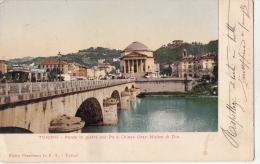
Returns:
(98, 81)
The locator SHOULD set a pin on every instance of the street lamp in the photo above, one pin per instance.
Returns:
(59, 66)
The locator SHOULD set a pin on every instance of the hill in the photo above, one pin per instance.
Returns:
(165, 54)
(87, 57)
(90, 56)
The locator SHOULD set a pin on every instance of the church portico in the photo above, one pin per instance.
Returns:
(138, 65)
(136, 58)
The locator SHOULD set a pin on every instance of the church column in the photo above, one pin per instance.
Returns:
(132, 65)
(142, 65)
(124, 66)
(145, 66)
(128, 64)
(137, 68)
(136, 62)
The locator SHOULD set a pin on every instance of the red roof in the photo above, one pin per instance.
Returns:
(208, 56)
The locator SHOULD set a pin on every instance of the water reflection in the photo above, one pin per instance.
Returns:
(165, 114)
(169, 121)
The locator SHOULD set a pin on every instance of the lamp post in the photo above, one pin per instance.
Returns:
(59, 66)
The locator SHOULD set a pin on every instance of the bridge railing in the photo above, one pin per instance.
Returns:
(20, 88)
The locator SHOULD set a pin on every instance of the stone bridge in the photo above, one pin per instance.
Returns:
(33, 106)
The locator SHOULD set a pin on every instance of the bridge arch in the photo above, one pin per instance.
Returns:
(13, 129)
(90, 111)
(115, 94)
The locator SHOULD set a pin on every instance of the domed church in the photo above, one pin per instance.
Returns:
(137, 58)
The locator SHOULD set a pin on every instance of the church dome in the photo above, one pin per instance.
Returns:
(137, 46)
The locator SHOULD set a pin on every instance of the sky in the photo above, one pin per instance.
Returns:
(45, 28)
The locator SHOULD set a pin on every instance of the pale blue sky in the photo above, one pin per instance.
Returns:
(43, 28)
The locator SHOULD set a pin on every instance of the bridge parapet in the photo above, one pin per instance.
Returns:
(15, 92)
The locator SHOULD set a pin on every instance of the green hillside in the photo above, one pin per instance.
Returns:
(165, 54)
(87, 57)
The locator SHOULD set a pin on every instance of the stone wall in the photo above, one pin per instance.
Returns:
(164, 85)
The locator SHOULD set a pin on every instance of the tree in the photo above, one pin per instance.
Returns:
(54, 73)
(215, 71)
(212, 47)
(167, 71)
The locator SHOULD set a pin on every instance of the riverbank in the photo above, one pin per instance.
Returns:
(202, 90)
(173, 94)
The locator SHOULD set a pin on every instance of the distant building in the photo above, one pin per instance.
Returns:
(115, 59)
(175, 44)
(167, 65)
(100, 61)
(156, 67)
(51, 63)
(73, 69)
(106, 67)
(175, 69)
(113, 67)
(3, 67)
(27, 73)
(136, 58)
(82, 71)
(90, 74)
(156, 73)
(196, 67)
(98, 74)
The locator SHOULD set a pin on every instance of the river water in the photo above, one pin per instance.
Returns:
(165, 114)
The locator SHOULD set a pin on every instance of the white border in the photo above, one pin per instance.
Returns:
(256, 85)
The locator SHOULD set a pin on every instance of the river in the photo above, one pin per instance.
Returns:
(165, 114)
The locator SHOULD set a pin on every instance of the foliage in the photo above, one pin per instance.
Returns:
(215, 71)
(204, 89)
(53, 75)
(27, 61)
(166, 55)
(91, 55)
(167, 71)
(212, 47)
(87, 57)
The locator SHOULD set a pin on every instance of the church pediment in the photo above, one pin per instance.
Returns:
(134, 55)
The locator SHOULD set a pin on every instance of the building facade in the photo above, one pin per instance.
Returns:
(90, 74)
(175, 43)
(82, 71)
(195, 67)
(27, 73)
(156, 67)
(73, 69)
(99, 74)
(136, 58)
(100, 61)
(51, 63)
(3, 67)
(106, 67)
